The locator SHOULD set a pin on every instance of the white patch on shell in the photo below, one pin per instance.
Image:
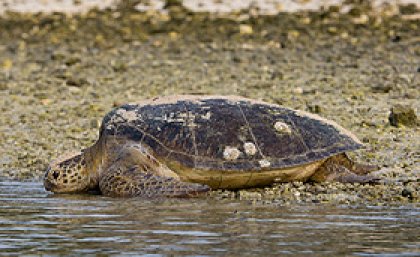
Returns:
(128, 116)
(184, 118)
(206, 116)
(231, 153)
(264, 163)
(170, 118)
(123, 116)
(282, 127)
(250, 148)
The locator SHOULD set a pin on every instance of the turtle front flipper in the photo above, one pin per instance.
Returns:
(135, 181)
(135, 172)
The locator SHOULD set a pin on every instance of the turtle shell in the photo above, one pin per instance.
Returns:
(228, 133)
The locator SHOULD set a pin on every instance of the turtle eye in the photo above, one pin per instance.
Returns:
(56, 174)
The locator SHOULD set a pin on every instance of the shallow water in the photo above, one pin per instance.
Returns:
(35, 222)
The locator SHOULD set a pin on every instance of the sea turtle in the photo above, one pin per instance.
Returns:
(185, 145)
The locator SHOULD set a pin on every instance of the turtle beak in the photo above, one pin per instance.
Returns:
(48, 186)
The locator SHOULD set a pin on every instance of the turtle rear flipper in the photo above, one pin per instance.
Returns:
(363, 169)
(333, 170)
(135, 181)
(355, 167)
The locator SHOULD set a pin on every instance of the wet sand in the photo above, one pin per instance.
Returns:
(60, 74)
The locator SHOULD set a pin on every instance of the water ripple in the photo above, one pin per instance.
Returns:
(33, 222)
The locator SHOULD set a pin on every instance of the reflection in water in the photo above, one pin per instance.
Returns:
(34, 222)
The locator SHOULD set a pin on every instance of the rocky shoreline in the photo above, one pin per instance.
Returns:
(60, 74)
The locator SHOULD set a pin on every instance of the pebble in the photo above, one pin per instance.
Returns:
(403, 115)
(315, 108)
(7, 64)
(362, 19)
(298, 90)
(382, 88)
(407, 193)
(76, 82)
(3, 86)
(245, 29)
(245, 195)
(119, 66)
(72, 60)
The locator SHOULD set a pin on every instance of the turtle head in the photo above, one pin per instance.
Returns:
(68, 174)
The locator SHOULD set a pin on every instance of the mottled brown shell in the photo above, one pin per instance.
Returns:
(228, 133)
